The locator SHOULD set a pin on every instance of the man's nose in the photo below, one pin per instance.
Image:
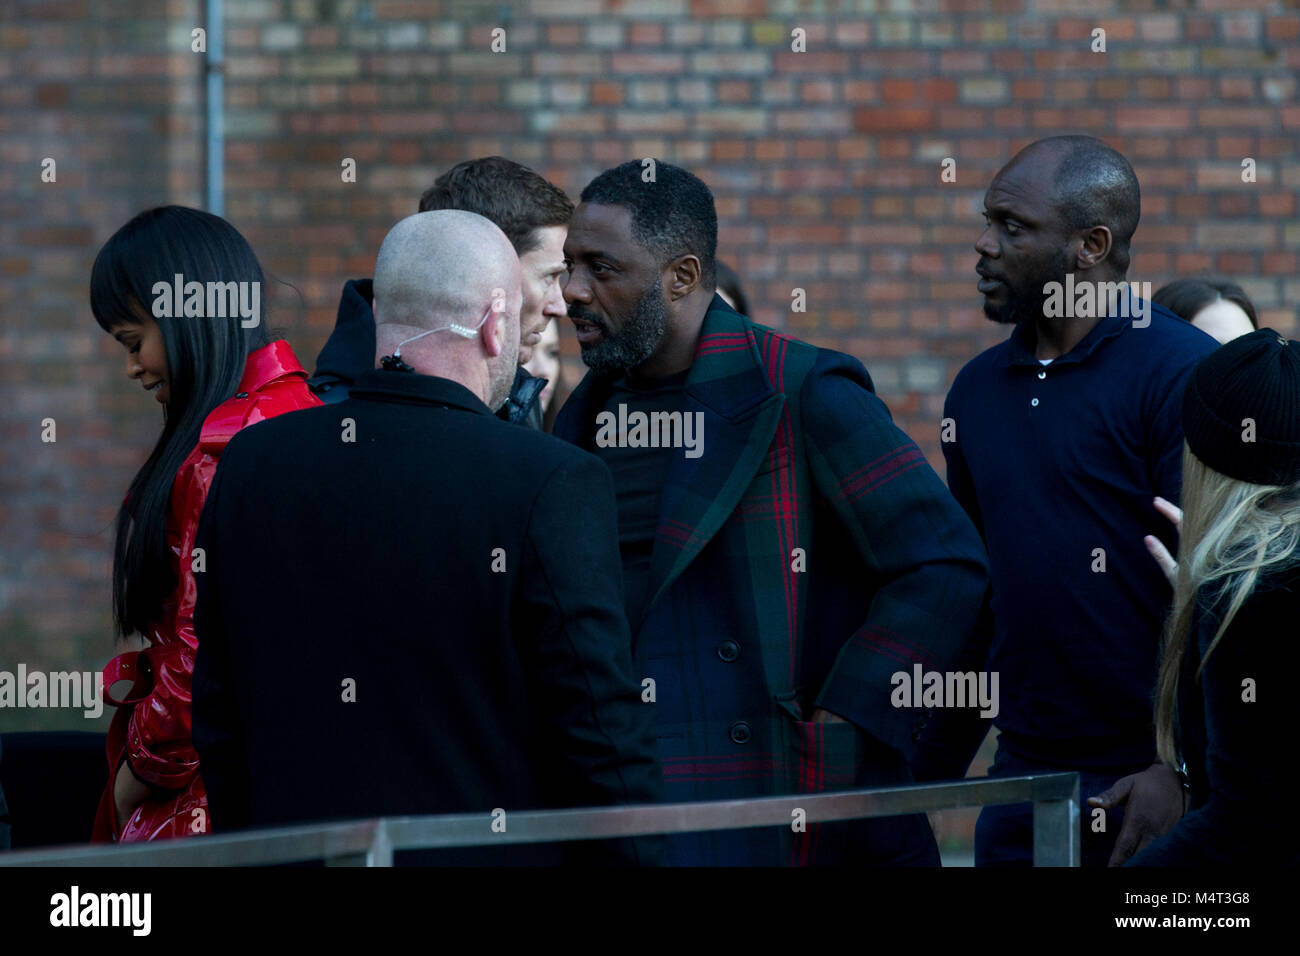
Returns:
(133, 367)
(575, 290)
(985, 245)
(554, 307)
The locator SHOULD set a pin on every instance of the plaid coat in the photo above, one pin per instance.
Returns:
(807, 555)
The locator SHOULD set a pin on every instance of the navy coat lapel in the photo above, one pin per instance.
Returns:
(729, 386)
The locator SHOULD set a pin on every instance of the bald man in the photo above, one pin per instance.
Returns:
(410, 606)
(1058, 442)
(423, 285)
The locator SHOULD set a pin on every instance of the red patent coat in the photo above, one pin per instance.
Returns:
(151, 727)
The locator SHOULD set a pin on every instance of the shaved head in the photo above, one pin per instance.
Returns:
(436, 268)
(1094, 185)
(450, 268)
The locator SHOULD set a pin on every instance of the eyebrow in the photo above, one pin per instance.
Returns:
(998, 211)
(612, 260)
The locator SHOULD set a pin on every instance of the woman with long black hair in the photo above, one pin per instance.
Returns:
(181, 291)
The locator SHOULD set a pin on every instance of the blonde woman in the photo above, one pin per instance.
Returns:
(1233, 635)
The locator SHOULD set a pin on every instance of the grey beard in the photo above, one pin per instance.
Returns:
(636, 341)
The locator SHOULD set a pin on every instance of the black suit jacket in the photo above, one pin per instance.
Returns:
(410, 606)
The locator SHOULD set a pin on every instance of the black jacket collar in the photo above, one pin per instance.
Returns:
(350, 350)
(412, 388)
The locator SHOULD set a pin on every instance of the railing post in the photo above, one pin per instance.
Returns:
(1056, 830)
(381, 848)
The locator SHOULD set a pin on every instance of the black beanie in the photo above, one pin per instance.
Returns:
(1255, 377)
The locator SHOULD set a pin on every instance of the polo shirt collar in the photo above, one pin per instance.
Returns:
(1024, 338)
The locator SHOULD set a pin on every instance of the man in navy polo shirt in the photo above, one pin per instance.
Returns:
(1057, 442)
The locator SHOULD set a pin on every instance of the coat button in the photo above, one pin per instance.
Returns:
(740, 732)
(728, 651)
(242, 395)
(1042, 375)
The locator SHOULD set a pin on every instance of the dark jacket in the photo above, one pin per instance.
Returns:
(350, 352)
(803, 558)
(425, 619)
(1230, 724)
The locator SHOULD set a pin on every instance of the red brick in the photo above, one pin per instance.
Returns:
(897, 91)
(1233, 205)
(1237, 87)
(1277, 204)
(883, 119)
(561, 35)
(1153, 87)
(853, 150)
(1118, 29)
(645, 34)
(1211, 117)
(1140, 118)
(52, 95)
(1282, 28)
(1192, 206)
(1279, 263)
(938, 91)
(1190, 263)
(735, 91)
(607, 94)
(810, 149)
(726, 150)
(55, 236)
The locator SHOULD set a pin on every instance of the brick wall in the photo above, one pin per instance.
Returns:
(111, 94)
(825, 165)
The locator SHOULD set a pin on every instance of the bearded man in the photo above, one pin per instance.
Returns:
(783, 566)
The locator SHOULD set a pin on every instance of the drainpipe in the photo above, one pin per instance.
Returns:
(216, 133)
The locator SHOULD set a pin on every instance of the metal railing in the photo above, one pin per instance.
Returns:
(1055, 797)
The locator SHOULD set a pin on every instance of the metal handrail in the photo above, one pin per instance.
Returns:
(1055, 797)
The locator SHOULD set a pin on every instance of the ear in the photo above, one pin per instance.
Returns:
(495, 327)
(1095, 247)
(683, 276)
(493, 333)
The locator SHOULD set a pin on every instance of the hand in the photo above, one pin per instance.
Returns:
(820, 716)
(1153, 802)
(1158, 551)
(128, 793)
